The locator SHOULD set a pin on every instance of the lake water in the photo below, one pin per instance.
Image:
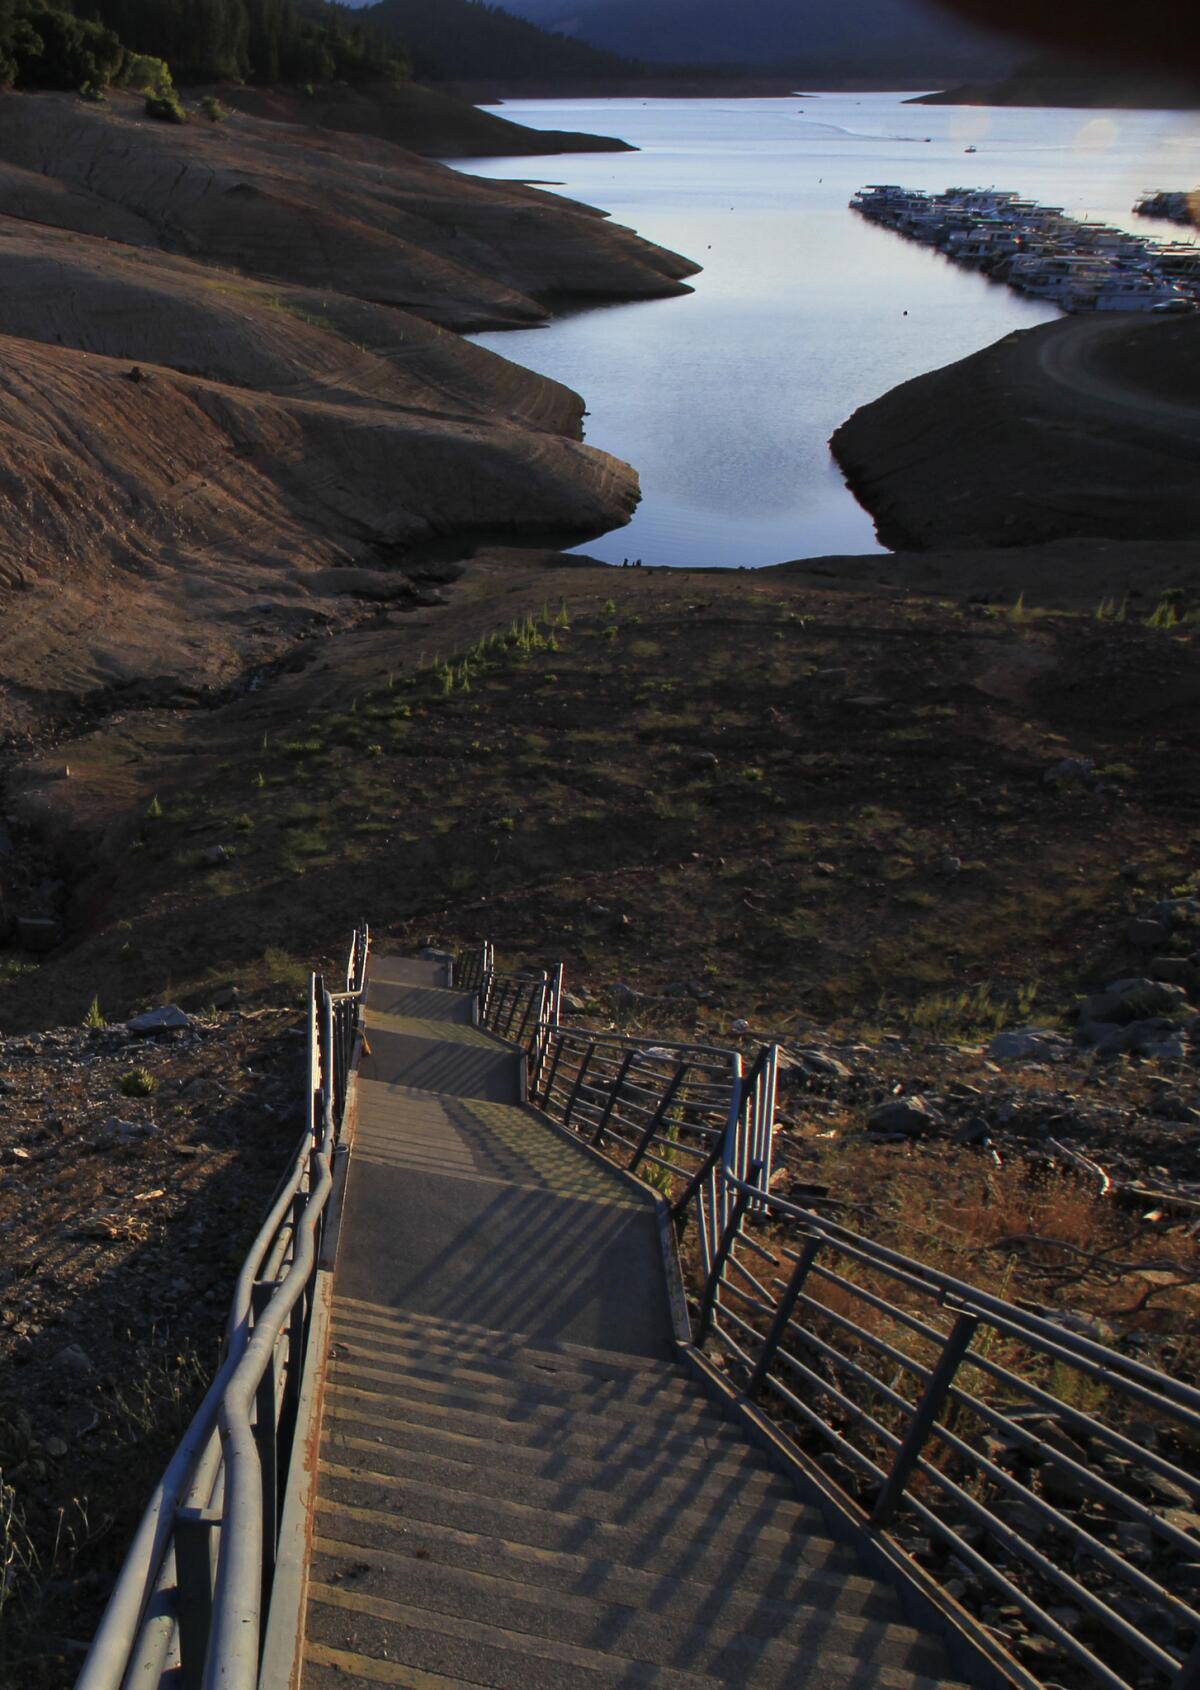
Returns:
(724, 400)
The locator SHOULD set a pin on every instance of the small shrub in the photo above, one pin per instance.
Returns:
(165, 107)
(1165, 615)
(212, 108)
(244, 823)
(154, 809)
(93, 93)
(137, 1082)
(94, 1016)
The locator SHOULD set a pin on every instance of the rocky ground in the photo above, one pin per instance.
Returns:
(136, 1167)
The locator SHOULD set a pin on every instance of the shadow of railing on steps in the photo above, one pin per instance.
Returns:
(1052, 1481)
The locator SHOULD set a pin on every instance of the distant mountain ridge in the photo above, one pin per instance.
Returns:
(465, 41)
(906, 39)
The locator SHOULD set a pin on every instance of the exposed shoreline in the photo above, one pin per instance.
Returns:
(1082, 429)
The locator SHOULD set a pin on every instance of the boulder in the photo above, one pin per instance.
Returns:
(168, 1018)
(1026, 1044)
(1069, 771)
(818, 1064)
(911, 1116)
(1176, 912)
(1133, 1000)
(1146, 935)
(1176, 970)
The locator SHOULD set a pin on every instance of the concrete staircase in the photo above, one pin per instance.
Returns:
(519, 1487)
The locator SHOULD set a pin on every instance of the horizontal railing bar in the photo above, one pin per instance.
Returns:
(845, 1324)
(1083, 1422)
(1111, 1559)
(904, 1317)
(1044, 1622)
(1033, 1557)
(1036, 1330)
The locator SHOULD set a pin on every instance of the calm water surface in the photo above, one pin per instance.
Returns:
(724, 400)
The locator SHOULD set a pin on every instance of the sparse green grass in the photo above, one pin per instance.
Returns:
(137, 1082)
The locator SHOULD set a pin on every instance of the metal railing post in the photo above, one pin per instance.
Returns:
(728, 1238)
(580, 1072)
(656, 1120)
(558, 1044)
(194, 1529)
(958, 1342)
(606, 1116)
(783, 1313)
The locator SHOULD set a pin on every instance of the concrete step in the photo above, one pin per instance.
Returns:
(506, 1353)
(695, 1635)
(816, 1573)
(600, 1570)
(425, 1002)
(472, 1651)
(666, 1536)
(625, 1494)
(554, 1378)
(526, 1407)
(403, 971)
(673, 1457)
(706, 1438)
(409, 1324)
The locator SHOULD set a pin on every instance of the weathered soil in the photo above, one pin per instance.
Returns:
(286, 639)
(428, 120)
(229, 409)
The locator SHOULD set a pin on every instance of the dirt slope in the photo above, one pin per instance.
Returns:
(1085, 427)
(228, 406)
(322, 209)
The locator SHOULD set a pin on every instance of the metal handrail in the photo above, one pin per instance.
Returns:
(921, 1441)
(790, 1297)
(223, 1481)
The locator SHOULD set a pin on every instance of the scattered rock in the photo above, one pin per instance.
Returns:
(216, 854)
(819, 1064)
(72, 1358)
(1123, 1001)
(1070, 771)
(1026, 1044)
(909, 1115)
(166, 1019)
(1146, 935)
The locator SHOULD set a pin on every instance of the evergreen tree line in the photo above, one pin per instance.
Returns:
(72, 43)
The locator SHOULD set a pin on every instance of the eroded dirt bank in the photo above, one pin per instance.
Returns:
(1085, 428)
(230, 405)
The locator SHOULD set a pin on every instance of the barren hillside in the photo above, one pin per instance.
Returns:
(229, 414)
